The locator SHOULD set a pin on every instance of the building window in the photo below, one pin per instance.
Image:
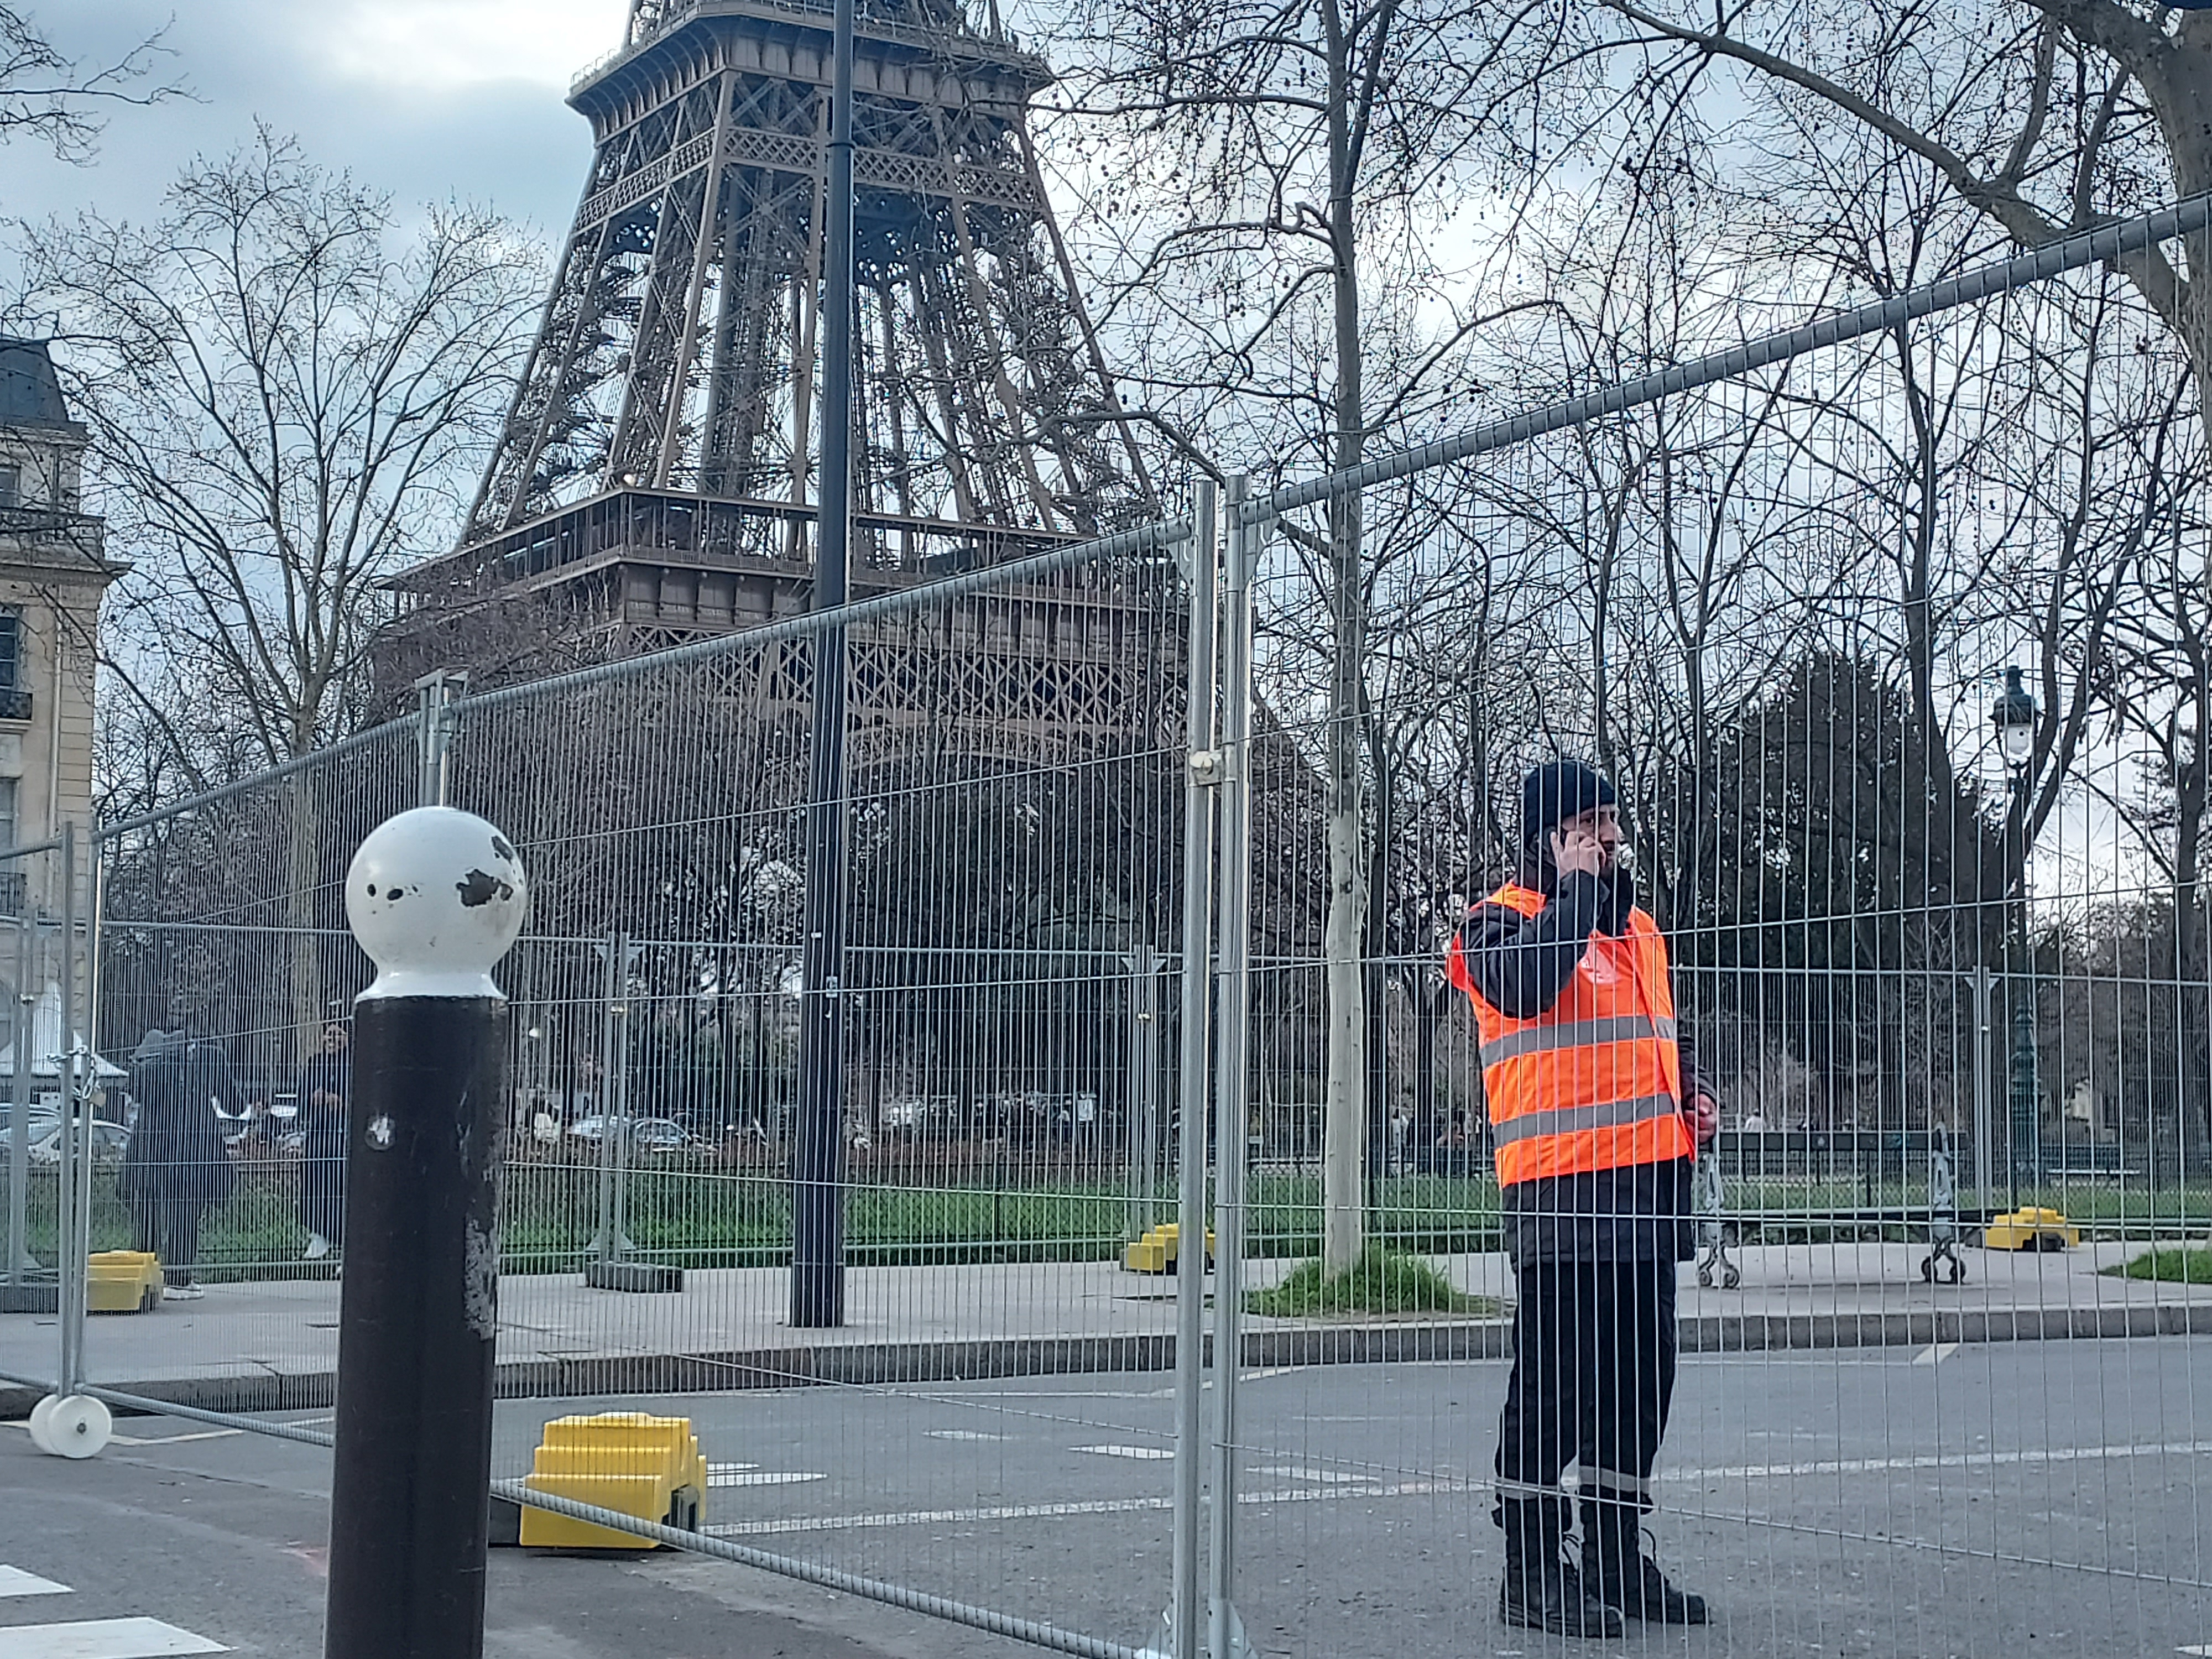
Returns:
(11, 486)
(8, 788)
(15, 696)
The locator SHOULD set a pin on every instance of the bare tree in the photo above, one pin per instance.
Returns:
(47, 96)
(288, 397)
(2041, 117)
(1303, 150)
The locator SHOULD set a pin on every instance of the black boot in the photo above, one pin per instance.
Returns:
(1616, 1570)
(1541, 1591)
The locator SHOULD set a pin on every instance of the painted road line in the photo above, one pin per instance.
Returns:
(1306, 1472)
(1141, 1454)
(14, 1581)
(102, 1638)
(172, 1439)
(762, 1478)
(1937, 1355)
(1436, 1487)
(962, 1434)
(1962, 1461)
(1054, 1511)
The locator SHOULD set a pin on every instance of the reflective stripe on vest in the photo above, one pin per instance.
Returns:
(1594, 1082)
(1566, 1120)
(1574, 1034)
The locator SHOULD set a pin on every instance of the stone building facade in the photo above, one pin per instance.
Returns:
(53, 572)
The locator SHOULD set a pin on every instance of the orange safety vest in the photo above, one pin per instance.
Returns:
(1594, 1082)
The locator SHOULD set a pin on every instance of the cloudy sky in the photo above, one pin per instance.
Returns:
(425, 98)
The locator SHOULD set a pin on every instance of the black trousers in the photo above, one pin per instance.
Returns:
(1593, 1345)
(170, 1228)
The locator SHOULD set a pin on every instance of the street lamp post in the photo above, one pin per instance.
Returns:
(2016, 718)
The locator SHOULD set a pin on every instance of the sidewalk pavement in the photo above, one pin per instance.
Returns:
(273, 1345)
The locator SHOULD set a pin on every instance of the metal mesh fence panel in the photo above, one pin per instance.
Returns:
(1014, 820)
(51, 1091)
(1919, 1325)
(225, 984)
(1935, 950)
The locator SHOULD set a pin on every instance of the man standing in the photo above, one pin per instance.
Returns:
(325, 1089)
(1596, 1134)
(175, 1166)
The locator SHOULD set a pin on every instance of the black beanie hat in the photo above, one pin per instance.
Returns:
(1551, 794)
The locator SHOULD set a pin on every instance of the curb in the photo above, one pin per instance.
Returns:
(881, 1363)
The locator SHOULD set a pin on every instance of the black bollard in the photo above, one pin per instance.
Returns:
(409, 1485)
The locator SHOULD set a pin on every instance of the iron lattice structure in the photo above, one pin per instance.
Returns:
(655, 480)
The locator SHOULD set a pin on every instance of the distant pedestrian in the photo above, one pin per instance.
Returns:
(1596, 1118)
(325, 1091)
(176, 1166)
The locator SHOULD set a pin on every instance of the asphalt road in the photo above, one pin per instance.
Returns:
(1981, 1501)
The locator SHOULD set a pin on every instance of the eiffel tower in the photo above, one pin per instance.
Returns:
(655, 480)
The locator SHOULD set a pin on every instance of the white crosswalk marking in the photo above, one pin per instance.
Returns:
(1140, 1454)
(14, 1581)
(102, 1638)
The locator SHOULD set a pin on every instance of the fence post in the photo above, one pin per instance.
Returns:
(436, 898)
(1982, 983)
(1144, 1142)
(609, 1242)
(19, 1114)
(1201, 786)
(1232, 1117)
(74, 1236)
(434, 736)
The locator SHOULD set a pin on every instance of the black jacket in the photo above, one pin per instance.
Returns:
(322, 1123)
(176, 1153)
(1520, 964)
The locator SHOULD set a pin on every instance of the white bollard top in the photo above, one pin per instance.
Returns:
(436, 898)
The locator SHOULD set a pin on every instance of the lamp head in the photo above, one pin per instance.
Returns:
(2016, 717)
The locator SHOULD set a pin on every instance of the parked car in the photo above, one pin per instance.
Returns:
(109, 1141)
(658, 1137)
(41, 1119)
(917, 1114)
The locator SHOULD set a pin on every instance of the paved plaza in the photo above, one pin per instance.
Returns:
(272, 1343)
(1984, 1499)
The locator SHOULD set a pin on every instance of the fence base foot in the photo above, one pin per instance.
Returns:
(651, 1277)
(71, 1425)
(31, 1294)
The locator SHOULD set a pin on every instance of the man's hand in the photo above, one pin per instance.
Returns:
(1704, 1113)
(1577, 852)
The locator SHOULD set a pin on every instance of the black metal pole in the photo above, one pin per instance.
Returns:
(2026, 1131)
(409, 1488)
(818, 1197)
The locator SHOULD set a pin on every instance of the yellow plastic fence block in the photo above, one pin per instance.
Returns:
(123, 1281)
(647, 1467)
(2035, 1228)
(1145, 1256)
(1155, 1252)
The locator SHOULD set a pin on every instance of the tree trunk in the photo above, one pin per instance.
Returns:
(1376, 988)
(304, 859)
(1345, 1113)
(2187, 762)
